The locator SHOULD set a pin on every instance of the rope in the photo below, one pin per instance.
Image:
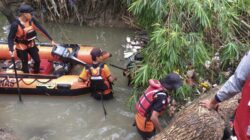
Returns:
(34, 81)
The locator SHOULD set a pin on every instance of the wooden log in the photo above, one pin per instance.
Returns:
(197, 123)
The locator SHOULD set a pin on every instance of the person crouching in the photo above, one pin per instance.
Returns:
(153, 102)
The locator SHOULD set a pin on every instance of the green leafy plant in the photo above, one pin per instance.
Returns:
(190, 32)
(183, 92)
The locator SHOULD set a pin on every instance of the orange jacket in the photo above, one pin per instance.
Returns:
(144, 104)
(24, 35)
(98, 77)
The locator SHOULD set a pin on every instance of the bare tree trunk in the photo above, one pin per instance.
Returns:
(197, 123)
(6, 11)
(89, 12)
(7, 6)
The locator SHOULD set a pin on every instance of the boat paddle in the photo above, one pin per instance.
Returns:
(17, 83)
(104, 109)
(118, 67)
(77, 60)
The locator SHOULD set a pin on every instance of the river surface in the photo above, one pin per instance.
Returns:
(76, 117)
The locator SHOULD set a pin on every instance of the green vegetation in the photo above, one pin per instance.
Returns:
(190, 32)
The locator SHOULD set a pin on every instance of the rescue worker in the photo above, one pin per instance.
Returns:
(23, 33)
(99, 76)
(153, 102)
(238, 82)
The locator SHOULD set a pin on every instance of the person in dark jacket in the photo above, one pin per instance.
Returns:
(23, 33)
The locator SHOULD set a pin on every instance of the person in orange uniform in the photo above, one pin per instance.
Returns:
(153, 102)
(99, 76)
(23, 33)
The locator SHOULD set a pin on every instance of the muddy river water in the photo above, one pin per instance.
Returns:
(42, 117)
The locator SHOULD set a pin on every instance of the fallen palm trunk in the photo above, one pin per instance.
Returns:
(197, 123)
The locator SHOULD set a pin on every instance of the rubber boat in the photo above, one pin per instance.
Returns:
(55, 76)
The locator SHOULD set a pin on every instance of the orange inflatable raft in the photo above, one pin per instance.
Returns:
(55, 68)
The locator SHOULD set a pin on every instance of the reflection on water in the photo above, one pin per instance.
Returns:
(78, 117)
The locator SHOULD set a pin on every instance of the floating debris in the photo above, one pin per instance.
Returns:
(207, 64)
(134, 45)
(132, 53)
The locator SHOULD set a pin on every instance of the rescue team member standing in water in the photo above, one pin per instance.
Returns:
(99, 75)
(153, 102)
(238, 82)
(22, 32)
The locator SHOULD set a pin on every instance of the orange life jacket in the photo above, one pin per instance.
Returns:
(144, 104)
(25, 36)
(242, 116)
(98, 81)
